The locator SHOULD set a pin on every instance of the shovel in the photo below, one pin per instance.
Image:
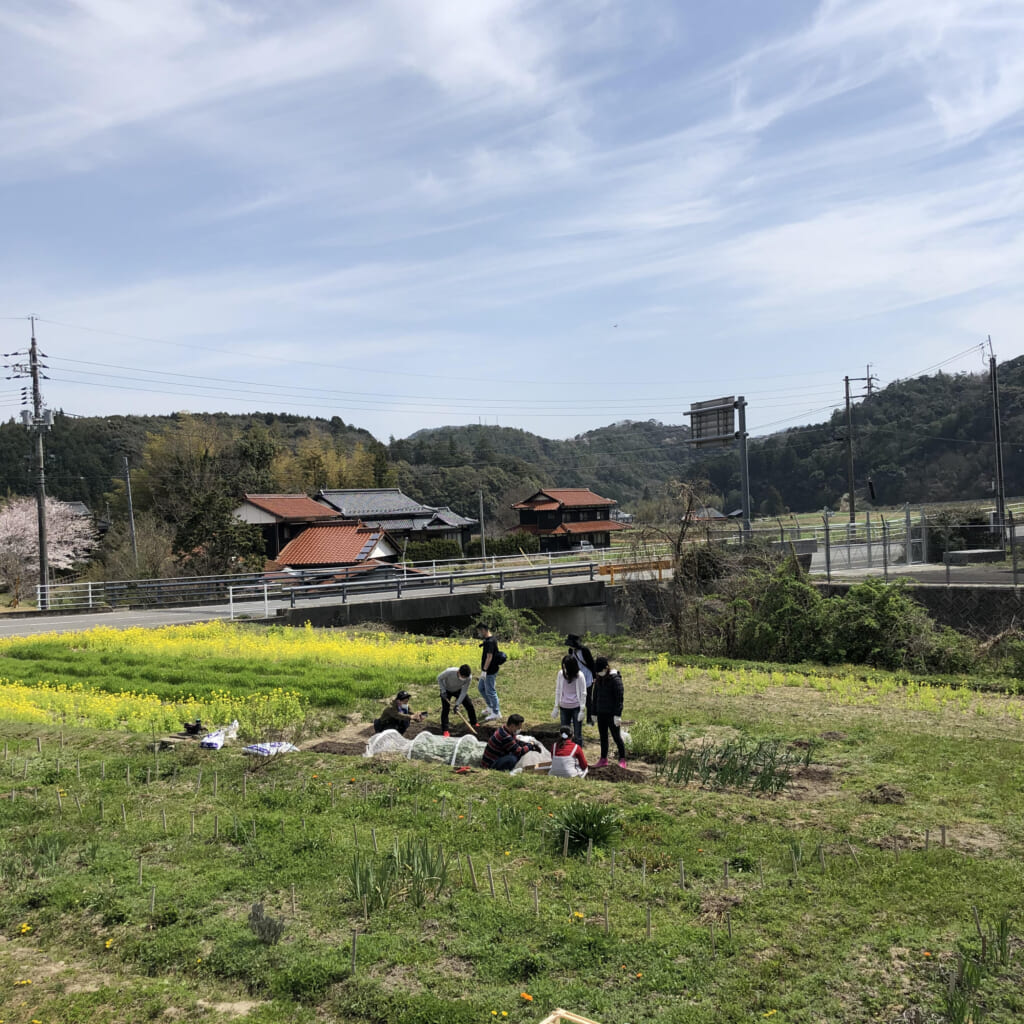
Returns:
(458, 711)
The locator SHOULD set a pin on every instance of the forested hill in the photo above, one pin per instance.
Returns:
(927, 439)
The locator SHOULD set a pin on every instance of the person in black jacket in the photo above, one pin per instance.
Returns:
(607, 704)
(585, 660)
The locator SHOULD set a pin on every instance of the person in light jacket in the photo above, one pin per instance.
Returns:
(570, 696)
(607, 703)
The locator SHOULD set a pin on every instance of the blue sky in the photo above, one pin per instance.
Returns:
(545, 215)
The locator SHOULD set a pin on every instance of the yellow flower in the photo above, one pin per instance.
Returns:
(108, 943)
(770, 1013)
(25, 927)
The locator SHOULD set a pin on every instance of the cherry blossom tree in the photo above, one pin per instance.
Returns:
(69, 539)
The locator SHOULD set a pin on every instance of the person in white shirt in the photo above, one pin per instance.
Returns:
(570, 696)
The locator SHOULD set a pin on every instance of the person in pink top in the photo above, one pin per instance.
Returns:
(570, 696)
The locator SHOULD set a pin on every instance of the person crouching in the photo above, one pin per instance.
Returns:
(503, 750)
(568, 760)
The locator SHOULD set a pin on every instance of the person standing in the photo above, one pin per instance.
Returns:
(607, 701)
(489, 665)
(454, 686)
(503, 750)
(570, 696)
(567, 759)
(585, 660)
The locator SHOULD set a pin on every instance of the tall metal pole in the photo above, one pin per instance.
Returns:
(741, 405)
(849, 453)
(131, 511)
(483, 538)
(37, 425)
(997, 432)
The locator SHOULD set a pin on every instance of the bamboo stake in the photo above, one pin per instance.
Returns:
(355, 936)
(78, 803)
(490, 880)
(565, 844)
(472, 872)
(536, 901)
(293, 899)
(124, 814)
(508, 894)
(152, 899)
(163, 819)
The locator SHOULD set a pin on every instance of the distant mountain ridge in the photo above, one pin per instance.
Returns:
(926, 439)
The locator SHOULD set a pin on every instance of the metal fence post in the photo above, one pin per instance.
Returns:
(908, 555)
(1013, 546)
(231, 602)
(451, 584)
(885, 549)
(924, 536)
(266, 602)
(828, 551)
(867, 537)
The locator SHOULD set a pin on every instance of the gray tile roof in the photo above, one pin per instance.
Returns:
(361, 503)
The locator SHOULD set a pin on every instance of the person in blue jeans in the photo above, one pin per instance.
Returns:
(489, 666)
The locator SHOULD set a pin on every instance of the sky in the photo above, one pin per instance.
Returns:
(552, 216)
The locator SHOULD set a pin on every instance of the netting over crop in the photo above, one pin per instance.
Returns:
(427, 746)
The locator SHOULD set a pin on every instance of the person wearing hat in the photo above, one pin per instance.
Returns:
(398, 714)
(585, 660)
(567, 759)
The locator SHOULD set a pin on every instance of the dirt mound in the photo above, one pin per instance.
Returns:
(885, 794)
(352, 748)
(613, 773)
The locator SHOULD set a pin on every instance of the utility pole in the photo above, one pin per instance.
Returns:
(131, 511)
(849, 454)
(483, 538)
(869, 381)
(997, 432)
(741, 434)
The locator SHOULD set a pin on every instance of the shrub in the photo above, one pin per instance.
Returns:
(650, 741)
(585, 823)
(267, 929)
(438, 549)
(510, 544)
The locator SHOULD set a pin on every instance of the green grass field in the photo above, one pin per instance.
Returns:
(128, 876)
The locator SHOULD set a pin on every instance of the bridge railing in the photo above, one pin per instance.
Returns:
(399, 584)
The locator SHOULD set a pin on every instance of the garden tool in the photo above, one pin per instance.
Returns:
(458, 711)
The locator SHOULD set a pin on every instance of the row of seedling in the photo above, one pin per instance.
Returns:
(765, 767)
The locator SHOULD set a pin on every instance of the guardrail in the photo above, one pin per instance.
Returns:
(400, 584)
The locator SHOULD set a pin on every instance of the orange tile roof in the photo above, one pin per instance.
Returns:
(565, 497)
(292, 506)
(329, 544)
(593, 526)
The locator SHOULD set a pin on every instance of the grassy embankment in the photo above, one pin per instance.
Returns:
(128, 876)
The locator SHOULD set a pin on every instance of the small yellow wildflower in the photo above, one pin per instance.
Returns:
(25, 927)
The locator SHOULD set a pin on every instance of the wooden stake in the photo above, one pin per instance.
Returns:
(590, 850)
(443, 799)
(821, 856)
(648, 922)
(853, 854)
(39, 745)
(613, 865)
(192, 827)
(472, 872)
(216, 826)
(490, 880)
(728, 922)
(508, 894)
(682, 874)
(140, 871)
(366, 909)
(152, 899)
(78, 765)
(103, 769)
(78, 803)
(124, 814)
(606, 917)
(215, 783)
(565, 844)
(293, 899)
(536, 901)
(163, 818)
(373, 836)
(199, 780)
(942, 831)
(725, 874)
(355, 936)
(643, 875)
(469, 811)
(792, 854)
